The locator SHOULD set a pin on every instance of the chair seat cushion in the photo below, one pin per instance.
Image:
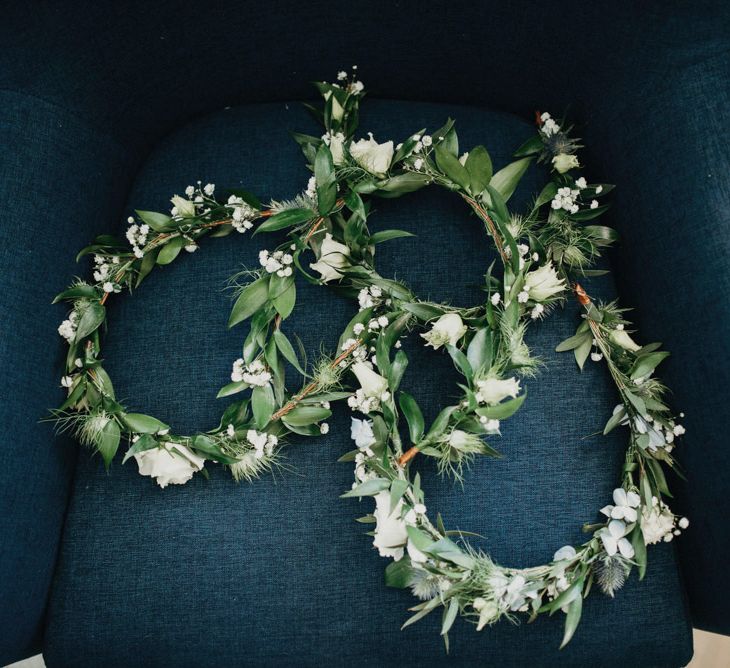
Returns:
(277, 572)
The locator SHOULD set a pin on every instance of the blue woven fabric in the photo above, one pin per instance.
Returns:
(277, 572)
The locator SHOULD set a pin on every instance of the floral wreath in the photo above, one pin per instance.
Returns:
(542, 252)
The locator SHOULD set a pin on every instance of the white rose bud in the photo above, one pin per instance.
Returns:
(169, 467)
(371, 156)
(449, 328)
(564, 162)
(337, 141)
(185, 207)
(332, 256)
(493, 390)
(390, 530)
(623, 340)
(543, 283)
(372, 384)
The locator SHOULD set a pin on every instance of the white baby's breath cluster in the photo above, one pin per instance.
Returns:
(137, 236)
(242, 214)
(279, 262)
(255, 374)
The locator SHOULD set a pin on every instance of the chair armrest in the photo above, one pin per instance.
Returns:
(60, 183)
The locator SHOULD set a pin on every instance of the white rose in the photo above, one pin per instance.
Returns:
(493, 390)
(185, 207)
(564, 162)
(449, 328)
(371, 156)
(332, 256)
(390, 531)
(169, 464)
(372, 384)
(543, 283)
(622, 339)
(361, 431)
(337, 143)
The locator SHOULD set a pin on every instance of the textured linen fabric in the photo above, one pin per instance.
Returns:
(49, 176)
(277, 572)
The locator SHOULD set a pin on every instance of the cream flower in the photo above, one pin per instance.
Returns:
(543, 283)
(626, 505)
(657, 523)
(449, 328)
(183, 207)
(337, 142)
(332, 256)
(564, 162)
(494, 390)
(371, 156)
(372, 384)
(390, 531)
(613, 538)
(171, 464)
(623, 340)
(361, 431)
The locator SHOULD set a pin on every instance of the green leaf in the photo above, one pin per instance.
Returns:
(397, 369)
(387, 235)
(423, 312)
(262, 404)
(413, 416)
(504, 410)
(170, 250)
(204, 445)
(90, 321)
(645, 364)
(615, 420)
(287, 350)
(148, 263)
(506, 179)
(368, 488)
(589, 214)
(479, 166)
(582, 351)
(532, 146)
(143, 424)
(452, 168)
(397, 489)
(304, 415)
(77, 292)
(232, 388)
(438, 426)
(601, 234)
(573, 342)
(637, 541)
(450, 551)
(547, 194)
(399, 574)
(285, 301)
(400, 184)
(251, 299)
(449, 616)
(157, 221)
(461, 362)
(636, 401)
(572, 619)
(109, 442)
(144, 442)
(286, 218)
(479, 351)
(324, 173)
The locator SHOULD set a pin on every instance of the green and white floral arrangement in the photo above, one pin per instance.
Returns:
(542, 253)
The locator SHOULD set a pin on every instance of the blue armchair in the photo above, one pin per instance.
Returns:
(109, 106)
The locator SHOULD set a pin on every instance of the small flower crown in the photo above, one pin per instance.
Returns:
(542, 252)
